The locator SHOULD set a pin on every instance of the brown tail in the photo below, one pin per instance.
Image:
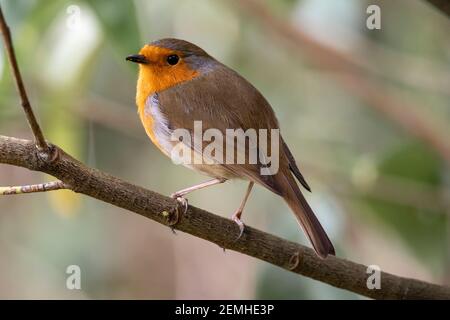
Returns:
(307, 219)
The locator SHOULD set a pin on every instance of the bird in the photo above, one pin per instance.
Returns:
(180, 84)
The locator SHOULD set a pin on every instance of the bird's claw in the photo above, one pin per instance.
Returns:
(181, 209)
(240, 224)
(182, 201)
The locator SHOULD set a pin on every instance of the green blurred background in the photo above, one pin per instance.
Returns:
(382, 194)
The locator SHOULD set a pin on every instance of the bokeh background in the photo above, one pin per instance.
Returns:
(371, 142)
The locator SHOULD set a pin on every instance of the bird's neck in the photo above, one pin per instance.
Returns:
(154, 79)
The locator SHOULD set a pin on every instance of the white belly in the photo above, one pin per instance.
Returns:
(174, 149)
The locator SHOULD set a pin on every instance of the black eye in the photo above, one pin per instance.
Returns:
(173, 59)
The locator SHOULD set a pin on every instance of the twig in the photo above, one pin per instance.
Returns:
(442, 5)
(337, 272)
(351, 75)
(32, 188)
(36, 129)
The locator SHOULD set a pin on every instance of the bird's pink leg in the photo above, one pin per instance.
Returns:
(199, 186)
(179, 195)
(236, 217)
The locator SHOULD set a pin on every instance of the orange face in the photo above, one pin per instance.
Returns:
(160, 72)
(159, 69)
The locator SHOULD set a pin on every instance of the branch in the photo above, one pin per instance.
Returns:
(442, 5)
(288, 255)
(351, 74)
(35, 128)
(32, 188)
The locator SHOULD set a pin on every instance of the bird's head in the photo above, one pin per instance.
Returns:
(168, 62)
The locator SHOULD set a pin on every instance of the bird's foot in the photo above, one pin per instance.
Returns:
(236, 217)
(181, 200)
(181, 209)
(183, 203)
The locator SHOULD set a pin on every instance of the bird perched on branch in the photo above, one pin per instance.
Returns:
(179, 87)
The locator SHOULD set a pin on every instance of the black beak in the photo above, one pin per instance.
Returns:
(138, 58)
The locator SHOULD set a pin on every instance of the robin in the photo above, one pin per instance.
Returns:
(180, 84)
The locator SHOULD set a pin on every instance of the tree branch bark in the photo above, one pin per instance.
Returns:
(37, 132)
(288, 255)
(33, 188)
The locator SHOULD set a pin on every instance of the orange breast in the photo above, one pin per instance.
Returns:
(148, 123)
(156, 77)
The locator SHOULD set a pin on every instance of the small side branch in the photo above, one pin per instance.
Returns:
(32, 188)
(37, 132)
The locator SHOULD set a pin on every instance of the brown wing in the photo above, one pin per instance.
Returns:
(293, 167)
(222, 99)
